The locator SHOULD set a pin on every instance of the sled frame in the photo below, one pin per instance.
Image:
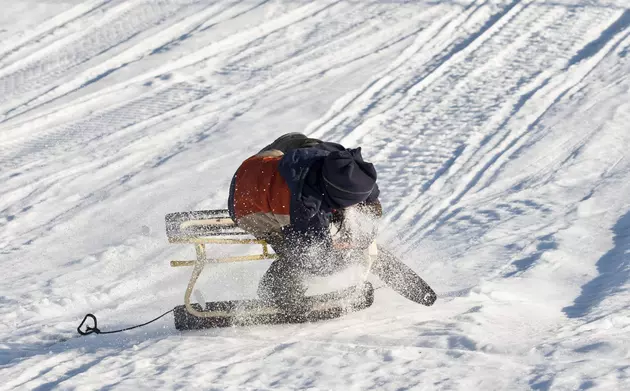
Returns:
(201, 228)
(204, 227)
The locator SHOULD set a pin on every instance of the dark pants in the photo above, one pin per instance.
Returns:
(283, 284)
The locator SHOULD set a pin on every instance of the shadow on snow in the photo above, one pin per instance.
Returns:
(613, 268)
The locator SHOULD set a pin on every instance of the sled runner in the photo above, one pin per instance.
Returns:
(208, 227)
(249, 312)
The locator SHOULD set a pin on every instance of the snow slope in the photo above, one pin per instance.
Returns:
(499, 129)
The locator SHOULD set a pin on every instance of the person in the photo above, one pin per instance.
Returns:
(289, 194)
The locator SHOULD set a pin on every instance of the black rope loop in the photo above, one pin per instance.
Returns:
(88, 329)
(94, 329)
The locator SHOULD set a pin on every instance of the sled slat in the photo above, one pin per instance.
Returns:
(240, 258)
(196, 226)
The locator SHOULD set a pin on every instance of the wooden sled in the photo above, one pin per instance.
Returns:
(208, 227)
(212, 227)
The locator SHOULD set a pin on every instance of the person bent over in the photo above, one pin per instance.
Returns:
(288, 194)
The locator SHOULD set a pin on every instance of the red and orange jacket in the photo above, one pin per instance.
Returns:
(274, 193)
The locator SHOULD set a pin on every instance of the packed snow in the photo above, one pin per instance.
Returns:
(499, 130)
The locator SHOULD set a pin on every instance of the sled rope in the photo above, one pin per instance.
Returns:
(95, 329)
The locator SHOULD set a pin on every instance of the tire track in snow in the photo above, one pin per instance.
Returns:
(544, 92)
(129, 57)
(113, 119)
(48, 31)
(335, 122)
(125, 23)
(438, 132)
(97, 126)
(61, 138)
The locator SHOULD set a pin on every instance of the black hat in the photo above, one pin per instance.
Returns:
(348, 180)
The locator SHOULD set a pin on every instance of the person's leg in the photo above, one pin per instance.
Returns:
(283, 285)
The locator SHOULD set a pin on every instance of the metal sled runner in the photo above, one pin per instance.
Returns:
(208, 227)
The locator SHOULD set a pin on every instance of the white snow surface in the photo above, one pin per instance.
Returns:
(499, 129)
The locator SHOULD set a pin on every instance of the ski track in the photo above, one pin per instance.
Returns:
(486, 121)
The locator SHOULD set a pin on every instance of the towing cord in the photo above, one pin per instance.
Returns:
(94, 329)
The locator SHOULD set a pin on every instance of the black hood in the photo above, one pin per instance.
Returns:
(347, 180)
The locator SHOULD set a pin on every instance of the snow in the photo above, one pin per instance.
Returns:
(498, 129)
